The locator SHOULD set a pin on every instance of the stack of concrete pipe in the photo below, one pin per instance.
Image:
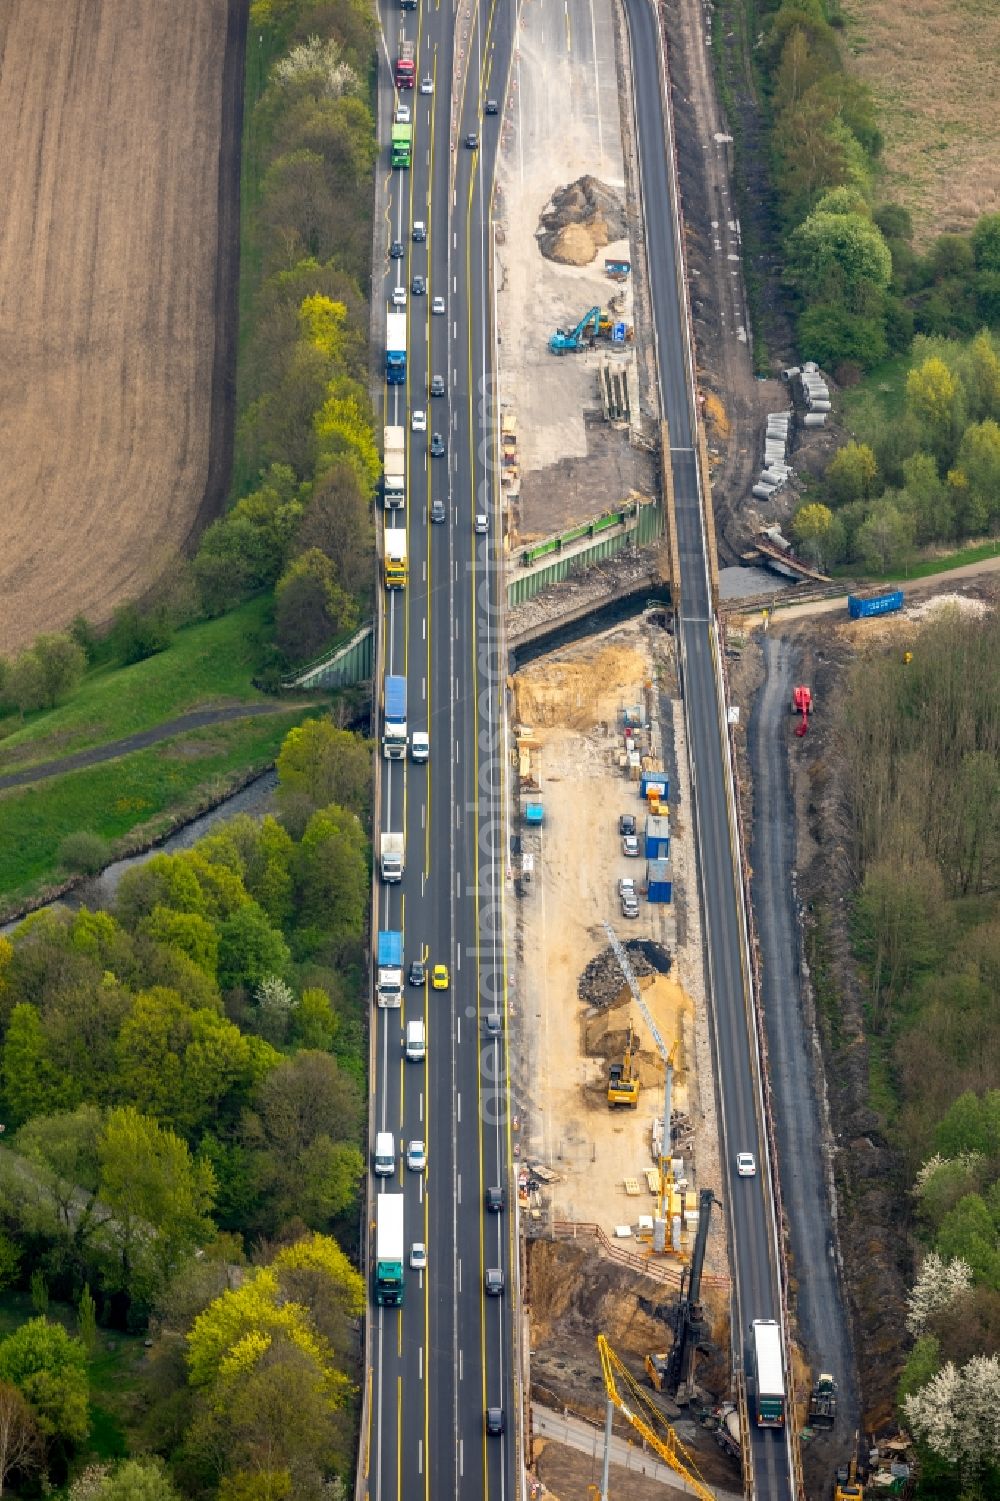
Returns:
(815, 394)
(776, 468)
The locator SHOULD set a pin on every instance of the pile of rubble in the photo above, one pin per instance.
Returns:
(581, 219)
(602, 982)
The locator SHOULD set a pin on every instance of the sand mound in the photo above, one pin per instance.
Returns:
(575, 693)
(579, 220)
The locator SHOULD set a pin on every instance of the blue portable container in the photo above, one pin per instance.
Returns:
(657, 838)
(861, 606)
(659, 885)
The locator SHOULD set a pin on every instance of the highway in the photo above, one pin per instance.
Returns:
(747, 1200)
(441, 1359)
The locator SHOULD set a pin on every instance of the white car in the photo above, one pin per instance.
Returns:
(427, 84)
(746, 1167)
(437, 304)
(403, 114)
(399, 296)
(418, 1256)
(418, 422)
(416, 1156)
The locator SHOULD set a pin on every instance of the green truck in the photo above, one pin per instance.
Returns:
(402, 145)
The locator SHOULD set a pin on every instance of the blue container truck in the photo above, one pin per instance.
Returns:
(874, 602)
(394, 724)
(395, 348)
(389, 981)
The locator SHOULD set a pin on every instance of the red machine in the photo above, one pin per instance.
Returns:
(802, 704)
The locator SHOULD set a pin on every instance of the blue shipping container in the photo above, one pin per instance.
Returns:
(860, 606)
(534, 813)
(390, 949)
(657, 838)
(658, 779)
(395, 698)
(659, 886)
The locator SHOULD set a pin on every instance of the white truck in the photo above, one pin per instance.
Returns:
(392, 856)
(395, 557)
(394, 465)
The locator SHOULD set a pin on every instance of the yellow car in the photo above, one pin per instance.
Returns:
(439, 977)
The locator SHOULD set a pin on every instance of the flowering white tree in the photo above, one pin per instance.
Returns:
(938, 1283)
(319, 58)
(274, 996)
(957, 1414)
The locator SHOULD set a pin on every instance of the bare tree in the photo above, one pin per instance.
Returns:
(21, 1448)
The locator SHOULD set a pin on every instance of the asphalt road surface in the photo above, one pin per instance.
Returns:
(823, 1321)
(747, 1199)
(441, 1359)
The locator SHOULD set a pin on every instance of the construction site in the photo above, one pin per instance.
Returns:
(607, 983)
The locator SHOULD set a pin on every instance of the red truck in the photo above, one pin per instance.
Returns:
(406, 68)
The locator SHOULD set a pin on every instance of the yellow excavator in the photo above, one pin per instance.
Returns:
(848, 1486)
(638, 1409)
(623, 1079)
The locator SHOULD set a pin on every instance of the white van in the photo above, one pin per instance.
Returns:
(385, 1154)
(416, 1042)
(420, 745)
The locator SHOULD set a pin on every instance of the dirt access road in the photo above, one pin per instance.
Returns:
(118, 262)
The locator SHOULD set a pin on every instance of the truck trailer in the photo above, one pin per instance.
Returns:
(769, 1373)
(391, 852)
(402, 143)
(395, 348)
(406, 68)
(394, 718)
(389, 1250)
(395, 557)
(394, 467)
(389, 974)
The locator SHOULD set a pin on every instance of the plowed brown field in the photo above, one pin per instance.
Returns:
(118, 259)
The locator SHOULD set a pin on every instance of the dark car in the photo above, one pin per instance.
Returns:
(626, 823)
(472, 140)
(492, 108)
(493, 1199)
(418, 286)
(419, 231)
(493, 1281)
(494, 1421)
(437, 446)
(437, 510)
(396, 250)
(418, 972)
(437, 385)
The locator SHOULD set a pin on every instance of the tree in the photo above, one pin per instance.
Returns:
(818, 533)
(923, 1362)
(49, 1369)
(86, 1320)
(986, 243)
(314, 1021)
(968, 1232)
(137, 634)
(39, 1292)
(955, 1414)
(839, 258)
(10, 1261)
(250, 949)
(934, 398)
(129, 1480)
(938, 1284)
(886, 538)
(971, 1124)
(163, 881)
(61, 663)
(308, 1120)
(149, 1180)
(979, 464)
(193, 934)
(319, 764)
(926, 499)
(32, 1085)
(21, 1448)
(331, 876)
(24, 684)
(273, 1002)
(852, 472)
(832, 335)
(310, 607)
(345, 430)
(62, 1149)
(338, 521)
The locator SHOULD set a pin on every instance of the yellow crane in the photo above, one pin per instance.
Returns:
(625, 1393)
